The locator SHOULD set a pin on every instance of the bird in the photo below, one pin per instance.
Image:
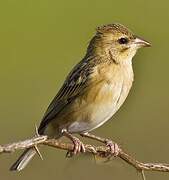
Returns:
(93, 91)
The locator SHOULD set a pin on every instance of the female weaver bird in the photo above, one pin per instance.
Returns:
(93, 91)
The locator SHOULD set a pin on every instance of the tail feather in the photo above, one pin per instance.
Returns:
(23, 160)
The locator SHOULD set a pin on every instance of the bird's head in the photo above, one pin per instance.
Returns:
(117, 41)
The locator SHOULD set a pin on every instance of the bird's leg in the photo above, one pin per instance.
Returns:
(114, 148)
(78, 145)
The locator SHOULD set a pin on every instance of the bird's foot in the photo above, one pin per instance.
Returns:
(114, 148)
(78, 147)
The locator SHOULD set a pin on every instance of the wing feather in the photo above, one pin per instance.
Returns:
(75, 83)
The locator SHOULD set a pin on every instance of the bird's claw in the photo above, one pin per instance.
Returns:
(78, 147)
(114, 148)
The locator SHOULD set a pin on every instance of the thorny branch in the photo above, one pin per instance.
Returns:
(102, 151)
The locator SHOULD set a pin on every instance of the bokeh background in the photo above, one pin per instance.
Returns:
(40, 41)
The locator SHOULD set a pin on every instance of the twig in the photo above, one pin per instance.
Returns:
(96, 150)
(143, 175)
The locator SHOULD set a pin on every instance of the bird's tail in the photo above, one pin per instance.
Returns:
(23, 160)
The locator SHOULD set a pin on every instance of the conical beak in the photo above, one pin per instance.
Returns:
(141, 42)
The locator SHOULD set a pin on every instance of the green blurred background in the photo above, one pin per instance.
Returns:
(40, 41)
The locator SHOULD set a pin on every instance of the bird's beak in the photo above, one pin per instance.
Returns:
(141, 42)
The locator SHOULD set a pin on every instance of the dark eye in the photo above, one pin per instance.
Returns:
(123, 41)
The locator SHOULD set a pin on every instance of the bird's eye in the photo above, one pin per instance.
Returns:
(123, 41)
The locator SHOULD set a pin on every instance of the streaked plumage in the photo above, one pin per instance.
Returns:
(95, 88)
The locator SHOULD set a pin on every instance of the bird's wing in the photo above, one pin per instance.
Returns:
(75, 84)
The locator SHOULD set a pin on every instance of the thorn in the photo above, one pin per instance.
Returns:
(95, 158)
(36, 130)
(143, 175)
(38, 152)
(69, 154)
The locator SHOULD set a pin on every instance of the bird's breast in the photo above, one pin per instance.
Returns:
(107, 102)
(102, 99)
